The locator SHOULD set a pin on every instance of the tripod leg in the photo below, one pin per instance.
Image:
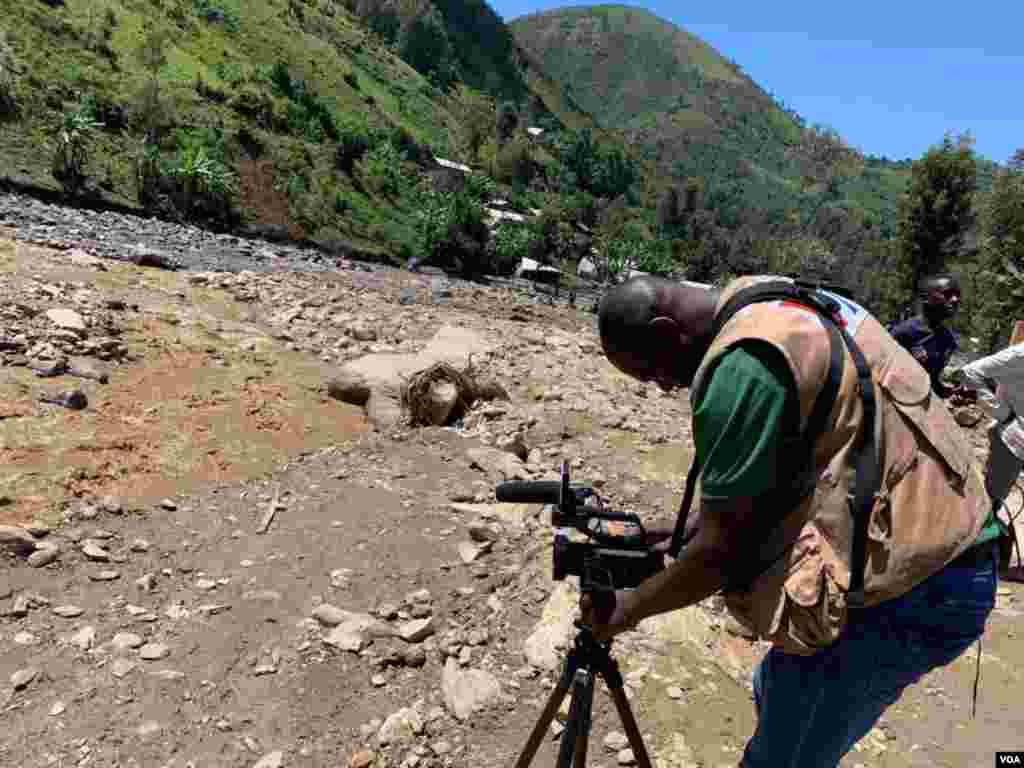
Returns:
(572, 750)
(585, 700)
(548, 713)
(609, 669)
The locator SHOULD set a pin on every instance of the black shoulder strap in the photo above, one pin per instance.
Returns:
(867, 476)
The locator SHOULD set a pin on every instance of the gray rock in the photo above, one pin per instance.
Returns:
(67, 319)
(124, 641)
(615, 741)
(469, 691)
(111, 504)
(94, 551)
(83, 639)
(122, 667)
(417, 630)
(270, 760)
(17, 540)
(154, 651)
(401, 726)
(23, 678)
(44, 556)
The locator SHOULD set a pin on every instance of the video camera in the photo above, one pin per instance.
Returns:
(617, 555)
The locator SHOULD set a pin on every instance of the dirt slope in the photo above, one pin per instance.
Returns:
(169, 632)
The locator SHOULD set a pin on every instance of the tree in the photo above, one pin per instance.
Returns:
(998, 289)
(473, 116)
(505, 122)
(667, 214)
(424, 45)
(937, 210)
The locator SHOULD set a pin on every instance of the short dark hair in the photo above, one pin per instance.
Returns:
(625, 313)
(930, 281)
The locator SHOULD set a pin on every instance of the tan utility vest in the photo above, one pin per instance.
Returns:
(931, 505)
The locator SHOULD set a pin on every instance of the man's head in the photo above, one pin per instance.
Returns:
(940, 296)
(657, 330)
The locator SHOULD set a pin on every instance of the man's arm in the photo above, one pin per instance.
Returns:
(738, 430)
(1005, 364)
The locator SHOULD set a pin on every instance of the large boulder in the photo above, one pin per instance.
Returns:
(376, 382)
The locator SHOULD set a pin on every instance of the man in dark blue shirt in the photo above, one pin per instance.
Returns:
(926, 336)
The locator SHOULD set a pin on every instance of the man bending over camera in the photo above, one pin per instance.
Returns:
(840, 657)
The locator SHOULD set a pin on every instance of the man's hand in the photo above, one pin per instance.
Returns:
(963, 395)
(660, 538)
(604, 613)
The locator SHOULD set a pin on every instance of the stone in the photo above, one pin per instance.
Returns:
(469, 552)
(44, 555)
(111, 504)
(270, 760)
(545, 647)
(109, 575)
(126, 640)
(414, 656)
(122, 667)
(497, 464)
(68, 611)
(25, 638)
(675, 692)
(400, 726)
(154, 651)
(67, 319)
(146, 583)
(615, 741)
(23, 678)
(94, 551)
(625, 757)
(417, 630)
(513, 516)
(467, 691)
(81, 258)
(168, 504)
(206, 584)
(17, 540)
(83, 639)
(57, 709)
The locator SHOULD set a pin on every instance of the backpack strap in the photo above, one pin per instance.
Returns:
(861, 499)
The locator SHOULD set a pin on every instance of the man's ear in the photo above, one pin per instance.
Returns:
(665, 329)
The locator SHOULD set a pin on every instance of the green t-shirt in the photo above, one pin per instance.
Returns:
(738, 424)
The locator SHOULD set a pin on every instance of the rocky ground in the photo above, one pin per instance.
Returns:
(212, 562)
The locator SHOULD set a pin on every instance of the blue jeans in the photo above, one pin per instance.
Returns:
(813, 709)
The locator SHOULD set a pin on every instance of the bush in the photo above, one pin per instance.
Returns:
(8, 99)
(512, 244)
(308, 115)
(382, 165)
(513, 164)
(196, 184)
(226, 12)
(480, 187)
(72, 153)
(451, 233)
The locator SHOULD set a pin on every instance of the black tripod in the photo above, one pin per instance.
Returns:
(586, 658)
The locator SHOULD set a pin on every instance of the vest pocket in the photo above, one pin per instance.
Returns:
(815, 603)
(923, 416)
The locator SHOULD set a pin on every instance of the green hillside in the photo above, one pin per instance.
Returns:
(300, 112)
(697, 114)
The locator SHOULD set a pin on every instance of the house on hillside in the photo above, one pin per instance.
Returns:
(447, 175)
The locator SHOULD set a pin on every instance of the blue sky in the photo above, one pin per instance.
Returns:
(892, 77)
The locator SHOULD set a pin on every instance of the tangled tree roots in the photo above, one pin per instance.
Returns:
(441, 394)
